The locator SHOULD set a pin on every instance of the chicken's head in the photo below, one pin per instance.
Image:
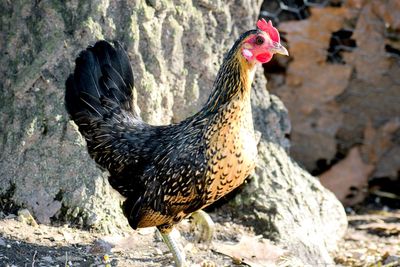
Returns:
(260, 46)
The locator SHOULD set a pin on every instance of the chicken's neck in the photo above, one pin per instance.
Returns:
(233, 82)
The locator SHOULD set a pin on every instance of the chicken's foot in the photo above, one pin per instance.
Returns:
(177, 253)
(207, 226)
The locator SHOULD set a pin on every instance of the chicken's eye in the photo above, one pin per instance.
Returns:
(259, 40)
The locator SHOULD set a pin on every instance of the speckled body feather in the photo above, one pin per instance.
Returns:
(165, 172)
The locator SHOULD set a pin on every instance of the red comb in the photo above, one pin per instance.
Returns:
(268, 28)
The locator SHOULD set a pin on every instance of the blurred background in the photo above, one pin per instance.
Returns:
(341, 86)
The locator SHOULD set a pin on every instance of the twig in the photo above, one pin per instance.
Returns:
(33, 258)
(385, 194)
(66, 258)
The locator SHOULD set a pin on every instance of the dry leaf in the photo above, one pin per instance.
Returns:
(252, 250)
(383, 228)
(348, 179)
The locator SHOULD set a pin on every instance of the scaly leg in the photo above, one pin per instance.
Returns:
(179, 255)
(207, 225)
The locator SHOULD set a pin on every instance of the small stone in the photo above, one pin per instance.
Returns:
(38, 232)
(146, 231)
(67, 236)
(100, 247)
(2, 242)
(92, 219)
(158, 251)
(11, 216)
(372, 246)
(208, 263)
(391, 259)
(237, 261)
(48, 259)
(58, 238)
(25, 216)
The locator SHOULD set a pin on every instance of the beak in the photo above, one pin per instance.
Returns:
(277, 48)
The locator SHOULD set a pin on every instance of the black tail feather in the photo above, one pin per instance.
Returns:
(102, 74)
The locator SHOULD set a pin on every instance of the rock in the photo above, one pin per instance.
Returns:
(48, 259)
(291, 207)
(158, 252)
(25, 216)
(207, 263)
(11, 216)
(100, 247)
(392, 260)
(2, 242)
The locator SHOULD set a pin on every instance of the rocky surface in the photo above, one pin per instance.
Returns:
(175, 48)
(276, 198)
(371, 240)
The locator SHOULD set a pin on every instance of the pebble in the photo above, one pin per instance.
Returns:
(11, 216)
(48, 259)
(158, 251)
(207, 263)
(146, 231)
(2, 242)
(67, 236)
(391, 259)
(25, 216)
(100, 247)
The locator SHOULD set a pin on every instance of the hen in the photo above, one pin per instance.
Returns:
(168, 172)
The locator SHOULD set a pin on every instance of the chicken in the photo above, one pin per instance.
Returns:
(168, 172)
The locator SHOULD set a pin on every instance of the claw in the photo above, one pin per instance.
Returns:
(207, 226)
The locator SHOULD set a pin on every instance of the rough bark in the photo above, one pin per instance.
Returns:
(175, 48)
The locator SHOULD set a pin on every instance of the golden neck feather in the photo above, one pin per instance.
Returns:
(233, 79)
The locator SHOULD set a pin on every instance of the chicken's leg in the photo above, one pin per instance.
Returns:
(206, 224)
(177, 253)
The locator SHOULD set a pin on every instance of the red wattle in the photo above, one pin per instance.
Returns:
(264, 57)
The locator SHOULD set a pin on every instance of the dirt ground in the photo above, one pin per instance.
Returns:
(25, 243)
(373, 239)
